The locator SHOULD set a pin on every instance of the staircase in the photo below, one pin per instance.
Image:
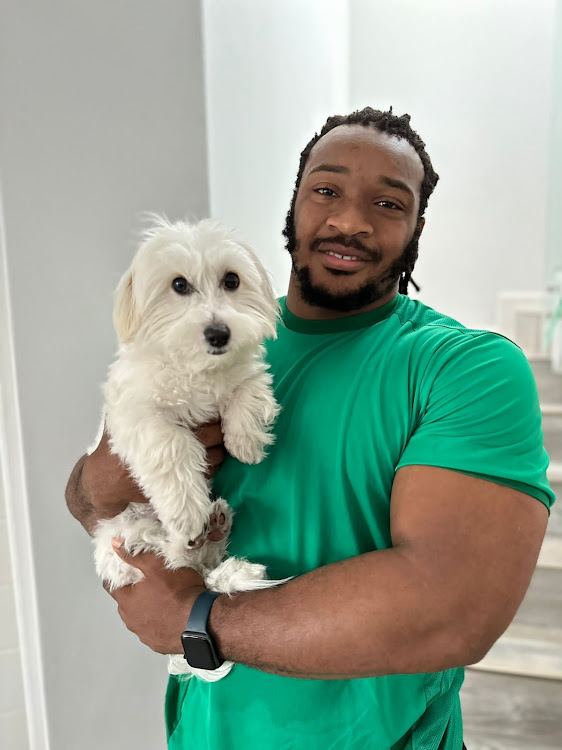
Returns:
(512, 699)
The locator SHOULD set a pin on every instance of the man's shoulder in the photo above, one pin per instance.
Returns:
(433, 336)
(422, 317)
(427, 322)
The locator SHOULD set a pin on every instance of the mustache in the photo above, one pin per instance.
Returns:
(343, 241)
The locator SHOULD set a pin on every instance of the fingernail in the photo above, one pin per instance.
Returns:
(117, 542)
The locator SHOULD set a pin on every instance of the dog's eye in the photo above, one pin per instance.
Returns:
(231, 281)
(181, 285)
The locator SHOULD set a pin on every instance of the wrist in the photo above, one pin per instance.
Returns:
(199, 646)
(218, 621)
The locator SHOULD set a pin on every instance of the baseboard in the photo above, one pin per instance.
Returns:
(522, 317)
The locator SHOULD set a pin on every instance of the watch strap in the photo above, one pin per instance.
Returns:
(197, 622)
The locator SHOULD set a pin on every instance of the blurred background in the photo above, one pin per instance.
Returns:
(201, 108)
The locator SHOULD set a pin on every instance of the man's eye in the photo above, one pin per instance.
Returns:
(324, 191)
(389, 204)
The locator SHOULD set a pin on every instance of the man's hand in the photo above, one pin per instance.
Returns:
(157, 608)
(101, 486)
(211, 436)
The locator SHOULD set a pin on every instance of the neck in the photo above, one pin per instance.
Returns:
(302, 309)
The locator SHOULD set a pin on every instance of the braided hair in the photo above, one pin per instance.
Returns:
(399, 127)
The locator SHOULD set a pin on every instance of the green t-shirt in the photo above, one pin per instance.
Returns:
(361, 397)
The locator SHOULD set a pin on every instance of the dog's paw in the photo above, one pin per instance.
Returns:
(237, 574)
(217, 527)
(249, 449)
(220, 521)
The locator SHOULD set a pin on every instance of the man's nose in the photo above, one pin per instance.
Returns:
(351, 219)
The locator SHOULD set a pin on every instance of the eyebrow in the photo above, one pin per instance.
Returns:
(389, 181)
(398, 184)
(330, 168)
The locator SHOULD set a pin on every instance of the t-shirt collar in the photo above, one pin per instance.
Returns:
(337, 325)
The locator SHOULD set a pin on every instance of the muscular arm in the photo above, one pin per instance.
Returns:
(463, 556)
(76, 500)
(100, 486)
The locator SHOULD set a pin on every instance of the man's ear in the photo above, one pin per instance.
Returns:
(421, 225)
(125, 313)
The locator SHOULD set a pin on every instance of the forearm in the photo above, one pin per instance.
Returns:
(367, 616)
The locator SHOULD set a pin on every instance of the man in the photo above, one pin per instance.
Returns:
(406, 491)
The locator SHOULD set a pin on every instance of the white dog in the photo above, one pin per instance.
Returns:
(190, 314)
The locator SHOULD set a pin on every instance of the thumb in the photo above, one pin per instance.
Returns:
(136, 561)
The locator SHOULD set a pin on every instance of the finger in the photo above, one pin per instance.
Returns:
(216, 455)
(121, 594)
(113, 592)
(211, 471)
(143, 561)
(215, 458)
(210, 434)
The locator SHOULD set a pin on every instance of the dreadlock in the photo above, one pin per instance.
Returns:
(386, 122)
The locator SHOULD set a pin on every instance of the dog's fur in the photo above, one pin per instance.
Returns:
(167, 380)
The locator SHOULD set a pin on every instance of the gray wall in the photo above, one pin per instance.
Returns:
(102, 118)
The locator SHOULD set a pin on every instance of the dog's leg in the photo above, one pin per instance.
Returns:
(141, 531)
(213, 552)
(207, 553)
(247, 419)
(168, 463)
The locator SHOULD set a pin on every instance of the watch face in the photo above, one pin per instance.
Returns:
(199, 652)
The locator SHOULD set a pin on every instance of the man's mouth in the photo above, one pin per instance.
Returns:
(341, 259)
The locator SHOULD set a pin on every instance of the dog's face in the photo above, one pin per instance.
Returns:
(195, 291)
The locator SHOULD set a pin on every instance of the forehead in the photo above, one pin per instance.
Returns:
(200, 256)
(366, 150)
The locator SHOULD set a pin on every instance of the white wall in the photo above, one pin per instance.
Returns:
(102, 118)
(274, 71)
(476, 77)
(554, 228)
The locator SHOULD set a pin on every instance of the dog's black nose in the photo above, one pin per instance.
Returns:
(217, 335)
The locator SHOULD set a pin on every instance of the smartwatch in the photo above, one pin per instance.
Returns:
(199, 648)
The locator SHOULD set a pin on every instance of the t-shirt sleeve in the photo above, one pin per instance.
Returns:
(479, 413)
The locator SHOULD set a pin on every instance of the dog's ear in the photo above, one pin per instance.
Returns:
(125, 313)
(269, 304)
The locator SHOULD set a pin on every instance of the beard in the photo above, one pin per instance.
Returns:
(366, 294)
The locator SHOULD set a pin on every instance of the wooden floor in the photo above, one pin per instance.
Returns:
(502, 712)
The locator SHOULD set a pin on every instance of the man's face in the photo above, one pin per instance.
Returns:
(358, 198)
